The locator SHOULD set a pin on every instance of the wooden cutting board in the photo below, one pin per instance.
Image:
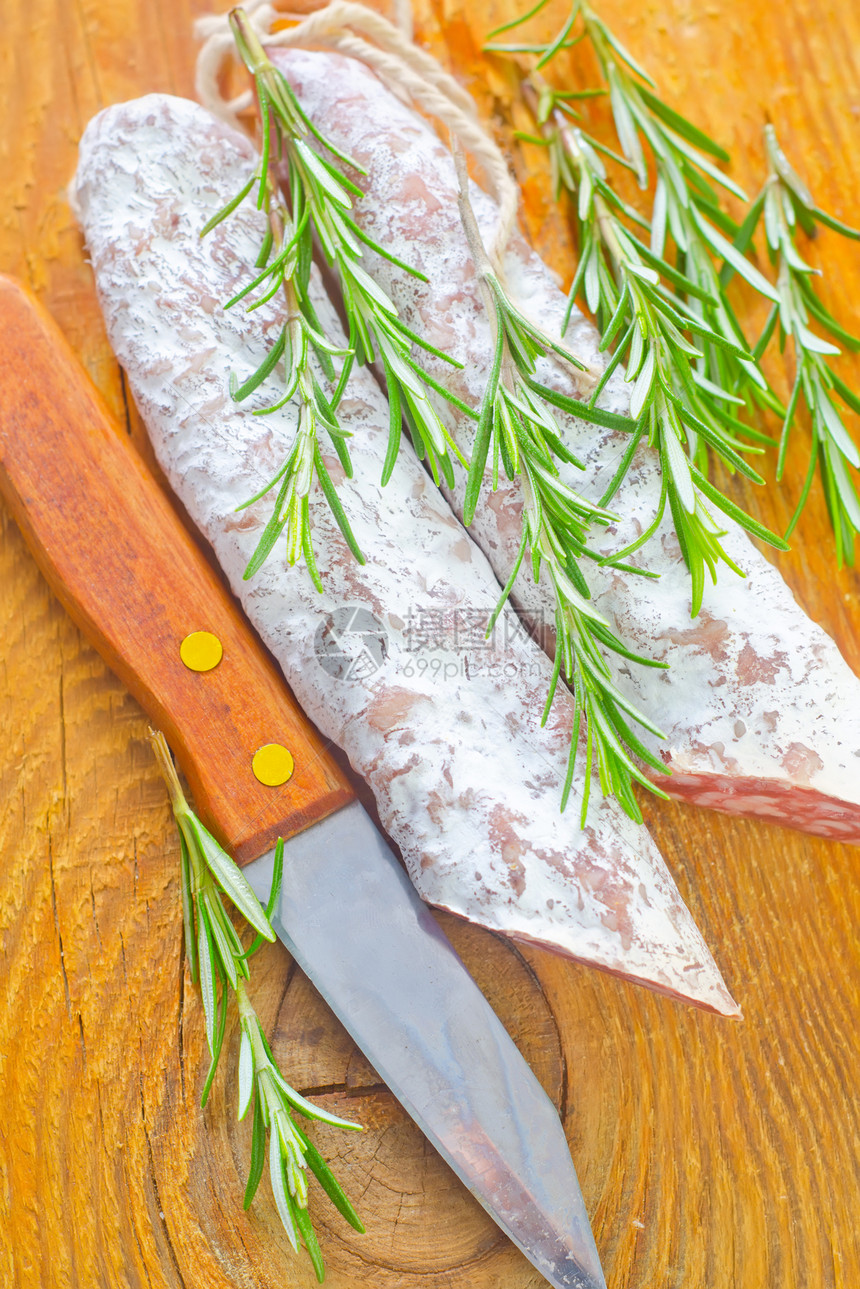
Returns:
(713, 1154)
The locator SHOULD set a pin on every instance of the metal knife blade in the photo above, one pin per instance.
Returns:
(122, 563)
(352, 920)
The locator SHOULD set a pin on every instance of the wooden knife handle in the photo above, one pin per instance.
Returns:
(133, 579)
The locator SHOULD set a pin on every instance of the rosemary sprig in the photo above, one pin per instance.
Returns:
(786, 206)
(218, 959)
(299, 338)
(320, 197)
(290, 1151)
(686, 201)
(517, 424)
(685, 395)
(641, 303)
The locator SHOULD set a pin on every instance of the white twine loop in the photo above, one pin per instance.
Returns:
(413, 74)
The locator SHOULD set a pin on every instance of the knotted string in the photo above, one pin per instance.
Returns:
(413, 74)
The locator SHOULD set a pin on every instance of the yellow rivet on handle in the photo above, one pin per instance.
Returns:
(201, 651)
(272, 764)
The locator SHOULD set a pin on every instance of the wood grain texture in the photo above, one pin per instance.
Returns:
(713, 1155)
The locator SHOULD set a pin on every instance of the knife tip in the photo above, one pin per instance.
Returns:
(572, 1275)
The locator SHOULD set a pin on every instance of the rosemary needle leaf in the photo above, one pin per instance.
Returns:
(723, 248)
(246, 1075)
(230, 879)
(270, 535)
(208, 979)
(216, 1050)
(187, 907)
(335, 504)
(826, 318)
(616, 45)
(518, 22)
(597, 415)
(258, 1154)
(734, 512)
(329, 1183)
(274, 896)
(277, 1169)
(229, 208)
(559, 41)
(830, 221)
(310, 1241)
(311, 1111)
(210, 908)
(846, 393)
(682, 126)
(267, 366)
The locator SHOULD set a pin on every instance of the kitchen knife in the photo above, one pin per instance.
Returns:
(122, 563)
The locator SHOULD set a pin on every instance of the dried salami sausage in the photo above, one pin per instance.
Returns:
(446, 731)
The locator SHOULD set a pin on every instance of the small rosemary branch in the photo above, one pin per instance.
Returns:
(786, 206)
(686, 204)
(217, 958)
(517, 423)
(300, 337)
(641, 303)
(320, 197)
(685, 395)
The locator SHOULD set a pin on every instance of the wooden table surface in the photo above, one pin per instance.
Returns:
(713, 1154)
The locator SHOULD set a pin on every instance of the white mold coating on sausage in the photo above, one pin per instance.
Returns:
(466, 781)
